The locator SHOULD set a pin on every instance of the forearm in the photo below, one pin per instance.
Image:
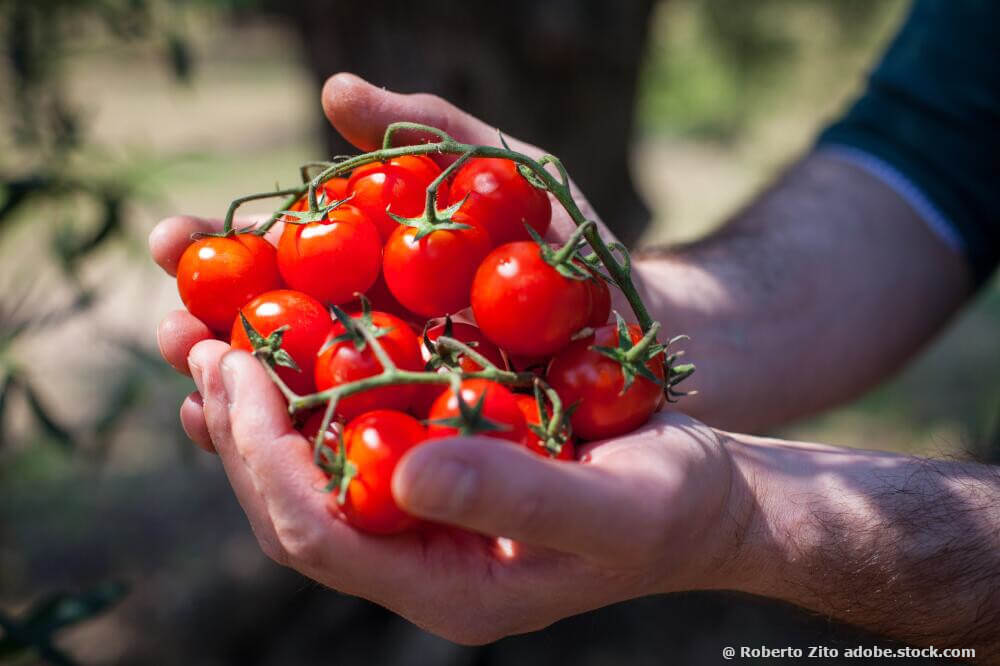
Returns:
(902, 546)
(823, 286)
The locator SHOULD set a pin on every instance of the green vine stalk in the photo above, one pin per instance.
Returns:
(534, 170)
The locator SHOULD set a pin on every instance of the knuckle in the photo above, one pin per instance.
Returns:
(300, 545)
(528, 512)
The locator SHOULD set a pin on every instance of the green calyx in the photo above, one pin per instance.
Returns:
(335, 463)
(470, 419)
(444, 356)
(317, 214)
(555, 430)
(633, 357)
(353, 326)
(269, 349)
(432, 220)
(566, 259)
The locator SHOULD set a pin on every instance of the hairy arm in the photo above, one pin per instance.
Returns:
(819, 289)
(902, 546)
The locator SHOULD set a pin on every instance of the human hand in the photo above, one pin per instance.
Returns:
(647, 513)
(360, 112)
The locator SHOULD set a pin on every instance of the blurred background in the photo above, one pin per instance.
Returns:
(119, 543)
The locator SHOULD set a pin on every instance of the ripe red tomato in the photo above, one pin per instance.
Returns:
(529, 408)
(310, 428)
(307, 323)
(332, 190)
(600, 301)
(217, 276)
(462, 332)
(399, 185)
(498, 407)
(374, 442)
(432, 276)
(501, 199)
(343, 362)
(524, 305)
(332, 259)
(581, 375)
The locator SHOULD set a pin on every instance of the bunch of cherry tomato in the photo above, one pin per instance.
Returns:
(410, 257)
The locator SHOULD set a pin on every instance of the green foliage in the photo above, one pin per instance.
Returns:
(714, 63)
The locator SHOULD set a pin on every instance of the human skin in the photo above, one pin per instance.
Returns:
(825, 272)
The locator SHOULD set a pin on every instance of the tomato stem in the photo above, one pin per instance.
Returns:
(619, 270)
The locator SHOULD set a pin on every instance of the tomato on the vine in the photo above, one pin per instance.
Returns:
(493, 412)
(310, 429)
(600, 300)
(399, 185)
(332, 259)
(332, 190)
(216, 276)
(463, 332)
(594, 382)
(529, 408)
(374, 442)
(307, 324)
(342, 362)
(501, 199)
(524, 304)
(432, 276)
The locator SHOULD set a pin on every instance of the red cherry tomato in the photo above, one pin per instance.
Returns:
(501, 199)
(399, 185)
(529, 408)
(499, 407)
(332, 190)
(332, 259)
(374, 442)
(308, 323)
(310, 428)
(432, 276)
(524, 305)
(462, 332)
(217, 276)
(582, 375)
(342, 362)
(600, 301)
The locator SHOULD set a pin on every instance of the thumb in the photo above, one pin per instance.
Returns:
(505, 490)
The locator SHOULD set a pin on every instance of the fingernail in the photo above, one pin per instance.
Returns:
(440, 488)
(228, 369)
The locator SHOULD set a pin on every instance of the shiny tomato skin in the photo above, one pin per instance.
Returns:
(529, 408)
(501, 199)
(462, 332)
(332, 259)
(308, 324)
(332, 190)
(374, 442)
(582, 375)
(310, 428)
(399, 184)
(342, 362)
(499, 406)
(524, 305)
(432, 276)
(600, 301)
(217, 276)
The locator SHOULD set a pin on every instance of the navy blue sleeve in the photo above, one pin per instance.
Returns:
(931, 110)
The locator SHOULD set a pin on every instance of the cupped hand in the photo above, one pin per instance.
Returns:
(360, 112)
(649, 512)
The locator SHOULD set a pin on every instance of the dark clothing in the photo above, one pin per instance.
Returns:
(931, 111)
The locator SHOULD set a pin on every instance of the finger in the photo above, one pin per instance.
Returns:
(508, 491)
(361, 112)
(193, 421)
(177, 333)
(171, 236)
(204, 362)
(280, 461)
